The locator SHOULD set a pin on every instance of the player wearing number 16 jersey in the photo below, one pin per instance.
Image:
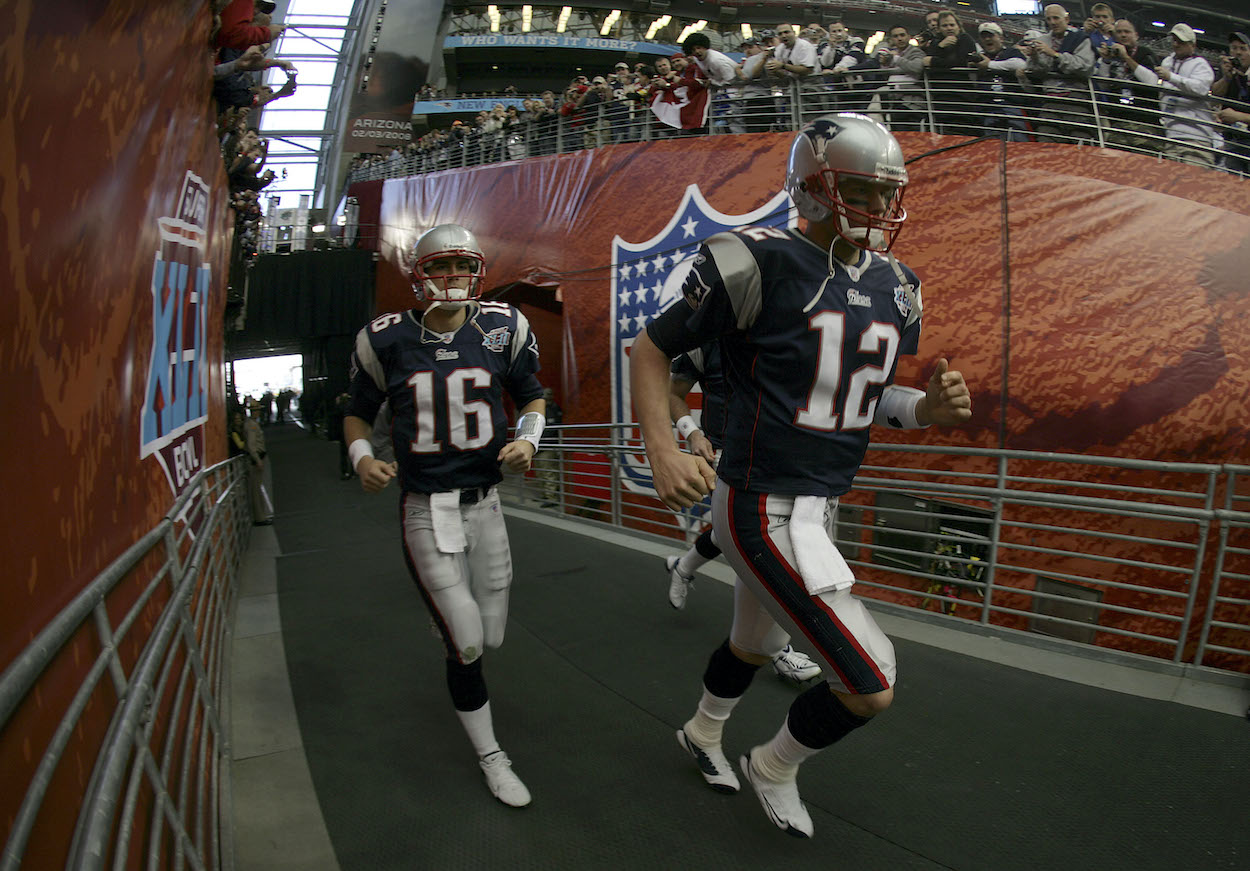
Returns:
(443, 372)
(811, 326)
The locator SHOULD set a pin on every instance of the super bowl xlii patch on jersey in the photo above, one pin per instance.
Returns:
(496, 340)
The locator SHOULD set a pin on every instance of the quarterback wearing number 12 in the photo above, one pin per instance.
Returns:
(443, 371)
(810, 326)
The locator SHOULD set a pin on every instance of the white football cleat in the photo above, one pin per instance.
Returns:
(503, 782)
(780, 800)
(712, 763)
(795, 666)
(679, 585)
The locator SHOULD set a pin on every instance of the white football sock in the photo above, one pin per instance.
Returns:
(690, 562)
(779, 759)
(708, 723)
(480, 729)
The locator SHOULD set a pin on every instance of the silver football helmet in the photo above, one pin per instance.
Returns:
(834, 148)
(456, 288)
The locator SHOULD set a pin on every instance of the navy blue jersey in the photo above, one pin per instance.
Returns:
(806, 352)
(446, 391)
(703, 366)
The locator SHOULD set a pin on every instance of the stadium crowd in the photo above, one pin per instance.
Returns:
(1096, 82)
(242, 36)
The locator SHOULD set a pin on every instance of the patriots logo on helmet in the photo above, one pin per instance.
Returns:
(496, 340)
(820, 132)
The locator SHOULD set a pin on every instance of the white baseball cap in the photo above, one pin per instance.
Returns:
(1184, 33)
(990, 27)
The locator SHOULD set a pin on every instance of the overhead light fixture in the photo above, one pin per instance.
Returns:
(658, 25)
(318, 228)
(1199, 30)
(609, 21)
(1158, 24)
(527, 15)
(746, 31)
(874, 41)
(341, 220)
(492, 12)
(564, 19)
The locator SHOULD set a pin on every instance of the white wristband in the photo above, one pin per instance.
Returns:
(358, 450)
(898, 406)
(530, 428)
(686, 425)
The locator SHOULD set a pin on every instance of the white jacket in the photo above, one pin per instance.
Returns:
(1183, 100)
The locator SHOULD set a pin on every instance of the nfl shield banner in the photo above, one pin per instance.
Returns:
(647, 279)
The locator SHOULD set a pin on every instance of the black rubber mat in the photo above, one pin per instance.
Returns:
(976, 766)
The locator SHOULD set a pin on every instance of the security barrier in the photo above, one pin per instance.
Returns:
(1138, 557)
(155, 796)
(1093, 112)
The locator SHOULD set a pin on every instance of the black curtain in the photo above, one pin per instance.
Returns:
(308, 294)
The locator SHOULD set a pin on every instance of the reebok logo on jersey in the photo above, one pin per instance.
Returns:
(496, 340)
(854, 297)
(444, 354)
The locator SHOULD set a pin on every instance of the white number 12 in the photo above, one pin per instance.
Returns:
(820, 412)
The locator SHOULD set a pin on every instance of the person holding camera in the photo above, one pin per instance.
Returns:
(1189, 122)
(998, 64)
(1100, 27)
(948, 58)
(1232, 86)
(1130, 104)
(1059, 64)
(843, 62)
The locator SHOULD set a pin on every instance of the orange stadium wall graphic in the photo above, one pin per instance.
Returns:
(117, 231)
(1093, 298)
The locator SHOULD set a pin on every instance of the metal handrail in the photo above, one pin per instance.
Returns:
(1145, 556)
(1087, 116)
(207, 527)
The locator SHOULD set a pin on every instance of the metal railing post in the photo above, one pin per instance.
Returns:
(1093, 100)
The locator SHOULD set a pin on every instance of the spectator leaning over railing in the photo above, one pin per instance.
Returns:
(843, 63)
(1060, 64)
(238, 29)
(1232, 87)
(998, 65)
(952, 52)
(1188, 121)
(720, 73)
(795, 59)
(757, 96)
(902, 96)
(1129, 104)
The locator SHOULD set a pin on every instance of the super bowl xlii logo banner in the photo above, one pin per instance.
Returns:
(647, 279)
(175, 404)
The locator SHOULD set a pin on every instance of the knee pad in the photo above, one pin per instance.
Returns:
(466, 685)
(727, 676)
(818, 718)
(705, 545)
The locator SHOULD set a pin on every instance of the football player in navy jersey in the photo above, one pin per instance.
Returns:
(811, 325)
(702, 366)
(443, 372)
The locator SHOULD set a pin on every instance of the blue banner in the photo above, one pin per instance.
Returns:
(557, 40)
(443, 107)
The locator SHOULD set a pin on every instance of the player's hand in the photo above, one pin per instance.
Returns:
(375, 474)
(947, 400)
(681, 479)
(516, 456)
(701, 446)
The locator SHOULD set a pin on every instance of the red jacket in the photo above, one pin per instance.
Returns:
(237, 31)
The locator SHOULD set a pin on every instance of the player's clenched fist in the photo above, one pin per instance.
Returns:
(947, 400)
(516, 456)
(375, 474)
